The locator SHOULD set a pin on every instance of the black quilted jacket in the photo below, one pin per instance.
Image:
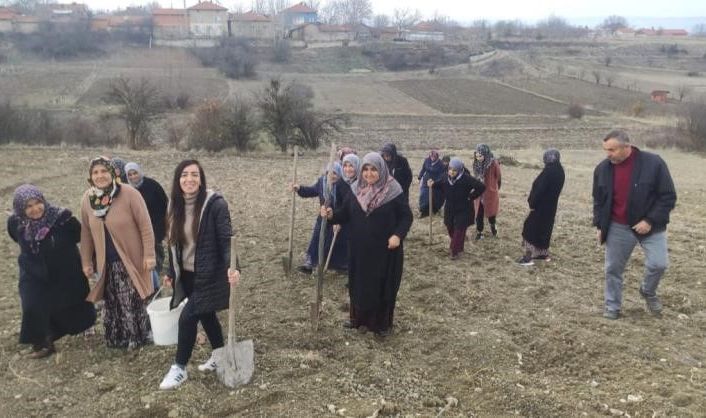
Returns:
(212, 259)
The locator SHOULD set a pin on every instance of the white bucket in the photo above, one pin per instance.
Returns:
(165, 323)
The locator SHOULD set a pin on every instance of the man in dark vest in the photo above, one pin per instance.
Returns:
(633, 194)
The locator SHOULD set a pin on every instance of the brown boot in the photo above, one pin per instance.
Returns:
(43, 352)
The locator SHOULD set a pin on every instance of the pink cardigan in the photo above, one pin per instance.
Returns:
(131, 230)
(491, 195)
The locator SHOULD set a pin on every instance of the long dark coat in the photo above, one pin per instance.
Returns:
(339, 257)
(211, 262)
(459, 197)
(434, 171)
(52, 286)
(156, 201)
(543, 200)
(375, 272)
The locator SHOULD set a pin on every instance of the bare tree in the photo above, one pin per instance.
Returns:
(276, 6)
(347, 11)
(381, 21)
(597, 75)
(614, 22)
(607, 60)
(610, 79)
(683, 90)
(581, 74)
(403, 18)
(259, 7)
(139, 105)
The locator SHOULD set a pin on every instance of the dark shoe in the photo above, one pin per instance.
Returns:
(525, 261)
(479, 236)
(493, 230)
(545, 258)
(384, 333)
(612, 315)
(43, 352)
(349, 325)
(654, 306)
(305, 268)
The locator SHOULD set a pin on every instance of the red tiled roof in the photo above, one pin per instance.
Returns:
(299, 8)
(678, 32)
(207, 5)
(7, 15)
(168, 11)
(251, 17)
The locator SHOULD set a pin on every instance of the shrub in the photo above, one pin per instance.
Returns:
(693, 121)
(637, 109)
(234, 57)
(693, 74)
(576, 111)
(180, 101)
(218, 125)
(62, 41)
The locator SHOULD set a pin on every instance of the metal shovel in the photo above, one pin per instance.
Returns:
(235, 362)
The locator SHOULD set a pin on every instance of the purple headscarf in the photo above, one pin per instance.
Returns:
(34, 230)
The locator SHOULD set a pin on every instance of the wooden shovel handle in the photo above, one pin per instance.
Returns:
(231, 300)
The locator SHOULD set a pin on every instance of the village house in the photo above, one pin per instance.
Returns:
(7, 15)
(319, 32)
(252, 25)
(386, 34)
(170, 24)
(208, 20)
(659, 96)
(26, 24)
(126, 23)
(624, 33)
(294, 16)
(423, 32)
(63, 14)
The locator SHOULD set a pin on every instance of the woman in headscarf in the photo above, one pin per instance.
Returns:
(487, 169)
(117, 242)
(397, 166)
(199, 265)
(51, 286)
(338, 190)
(432, 169)
(543, 201)
(120, 172)
(156, 201)
(460, 189)
(379, 218)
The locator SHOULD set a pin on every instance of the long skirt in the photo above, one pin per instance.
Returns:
(124, 313)
(44, 322)
(375, 320)
(533, 251)
(339, 257)
(437, 199)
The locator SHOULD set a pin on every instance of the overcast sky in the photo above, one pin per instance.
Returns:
(467, 11)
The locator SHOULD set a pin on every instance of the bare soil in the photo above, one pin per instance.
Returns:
(498, 338)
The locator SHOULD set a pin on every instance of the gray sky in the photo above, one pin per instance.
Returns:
(466, 11)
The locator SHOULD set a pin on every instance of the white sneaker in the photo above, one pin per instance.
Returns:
(175, 377)
(209, 365)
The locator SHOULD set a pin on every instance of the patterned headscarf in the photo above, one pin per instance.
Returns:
(372, 196)
(134, 166)
(353, 160)
(551, 156)
(481, 167)
(119, 164)
(101, 199)
(34, 230)
(456, 164)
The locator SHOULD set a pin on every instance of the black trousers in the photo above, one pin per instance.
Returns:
(188, 324)
(479, 218)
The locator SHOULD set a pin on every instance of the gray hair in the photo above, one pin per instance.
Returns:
(618, 134)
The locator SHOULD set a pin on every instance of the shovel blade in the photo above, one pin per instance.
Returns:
(235, 363)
